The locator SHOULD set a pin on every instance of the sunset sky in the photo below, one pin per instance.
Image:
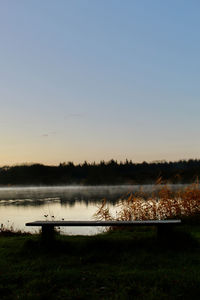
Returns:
(99, 79)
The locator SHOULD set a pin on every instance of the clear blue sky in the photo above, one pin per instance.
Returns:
(99, 79)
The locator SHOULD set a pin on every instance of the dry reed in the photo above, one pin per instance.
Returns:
(161, 204)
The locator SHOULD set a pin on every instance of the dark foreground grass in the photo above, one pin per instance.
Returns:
(115, 265)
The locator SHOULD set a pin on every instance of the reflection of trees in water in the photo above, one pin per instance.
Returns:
(25, 202)
(86, 201)
(64, 201)
(71, 196)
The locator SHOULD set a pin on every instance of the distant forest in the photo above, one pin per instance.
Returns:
(111, 172)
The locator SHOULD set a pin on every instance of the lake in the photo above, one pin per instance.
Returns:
(19, 205)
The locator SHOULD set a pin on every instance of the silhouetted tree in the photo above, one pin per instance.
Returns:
(110, 172)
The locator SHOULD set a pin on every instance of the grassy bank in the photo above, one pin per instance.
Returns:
(115, 265)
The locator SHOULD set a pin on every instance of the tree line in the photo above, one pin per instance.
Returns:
(111, 172)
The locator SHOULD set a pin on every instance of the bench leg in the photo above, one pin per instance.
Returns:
(164, 231)
(47, 233)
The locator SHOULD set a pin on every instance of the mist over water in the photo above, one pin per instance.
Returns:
(19, 205)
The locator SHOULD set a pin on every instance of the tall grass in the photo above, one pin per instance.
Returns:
(162, 203)
(9, 230)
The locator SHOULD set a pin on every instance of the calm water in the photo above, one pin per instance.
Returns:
(19, 205)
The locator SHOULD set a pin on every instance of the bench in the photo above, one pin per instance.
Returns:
(163, 226)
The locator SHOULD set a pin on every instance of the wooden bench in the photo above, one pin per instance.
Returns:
(163, 226)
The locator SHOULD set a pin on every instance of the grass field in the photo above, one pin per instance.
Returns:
(131, 264)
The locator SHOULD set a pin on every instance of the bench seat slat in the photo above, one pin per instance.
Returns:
(103, 223)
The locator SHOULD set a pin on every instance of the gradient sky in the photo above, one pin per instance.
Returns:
(99, 79)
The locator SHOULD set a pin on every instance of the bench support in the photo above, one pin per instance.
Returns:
(164, 231)
(48, 233)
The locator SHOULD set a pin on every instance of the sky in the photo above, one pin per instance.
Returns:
(99, 79)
